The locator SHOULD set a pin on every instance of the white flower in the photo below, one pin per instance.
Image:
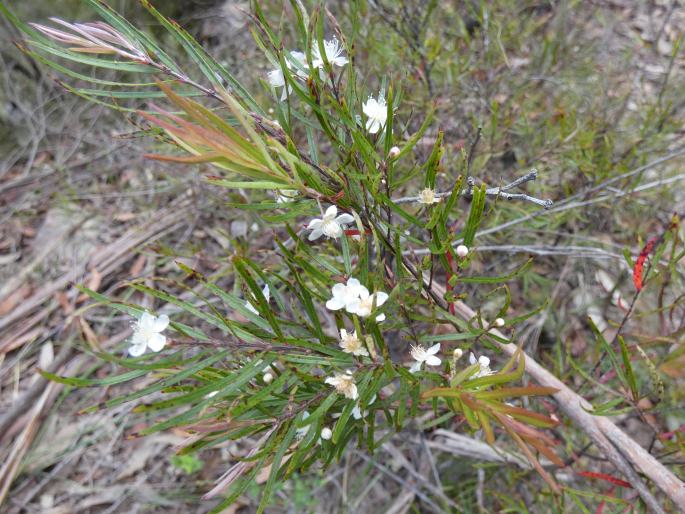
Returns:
(355, 298)
(462, 251)
(267, 296)
(357, 412)
(483, 365)
(376, 113)
(147, 333)
(427, 196)
(334, 53)
(350, 343)
(300, 433)
(421, 355)
(331, 225)
(326, 433)
(276, 77)
(344, 384)
(363, 305)
(299, 62)
(344, 294)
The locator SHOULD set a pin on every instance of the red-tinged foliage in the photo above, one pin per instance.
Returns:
(355, 232)
(665, 436)
(648, 249)
(605, 477)
(640, 262)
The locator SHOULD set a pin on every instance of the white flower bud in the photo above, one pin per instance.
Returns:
(267, 377)
(458, 352)
(462, 251)
(326, 433)
(394, 152)
(499, 322)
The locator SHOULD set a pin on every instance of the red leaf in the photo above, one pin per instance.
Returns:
(640, 262)
(608, 478)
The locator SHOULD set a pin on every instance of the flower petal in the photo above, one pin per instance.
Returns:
(160, 323)
(356, 412)
(137, 350)
(433, 349)
(314, 224)
(472, 358)
(276, 78)
(316, 234)
(336, 303)
(331, 211)
(156, 342)
(353, 282)
(415, 367)
(370, 106)
(138, 338)
(381, 298)
(146, 321)
(432, 360)
(251, 308)
(380, 317)
(344, 219)
(353, 306)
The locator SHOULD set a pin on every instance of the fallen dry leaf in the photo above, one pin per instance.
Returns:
(13, 299)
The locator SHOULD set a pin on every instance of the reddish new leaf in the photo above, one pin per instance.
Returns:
(640, 262)
(608, 478)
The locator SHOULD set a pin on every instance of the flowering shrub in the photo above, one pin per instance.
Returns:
(330, 340)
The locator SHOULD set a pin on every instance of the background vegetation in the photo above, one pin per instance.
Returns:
(590, 94)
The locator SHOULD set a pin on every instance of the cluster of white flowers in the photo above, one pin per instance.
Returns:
(330, 225)
(355, 299)
(298, 61)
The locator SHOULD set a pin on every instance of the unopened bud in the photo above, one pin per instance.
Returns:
(267, 377)
(394, 152)
(326, 433)
(458, 352)
(462, 251)
(499, 322)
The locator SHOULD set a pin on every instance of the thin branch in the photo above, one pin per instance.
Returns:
(498, 192)
(571, 203)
